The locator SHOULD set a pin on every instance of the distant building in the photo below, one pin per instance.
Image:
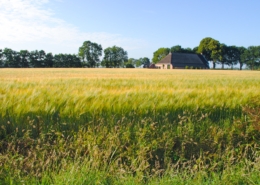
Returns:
(183, 61)
(152, 66)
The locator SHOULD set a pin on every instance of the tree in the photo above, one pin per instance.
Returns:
(128, 65)
(130, 62)
(11, 58)
(17, 59)
(49, 60)
(24, 55)
(233, 56)
(138, 62)
(114, 57)
(252, 56)
(62, 60)
(224, 55)
(160, 54)
(188, 50)
(195, 49)
(33, 58)
(176, 49)
(68, 60)
(145, 62)
(37, 58)
(1, 58)
(241, 60)
(76, 61)
(211, 50)
(58, 60)
(90, 52)
(179, 49)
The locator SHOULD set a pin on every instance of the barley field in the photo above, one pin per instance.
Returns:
(129, 126)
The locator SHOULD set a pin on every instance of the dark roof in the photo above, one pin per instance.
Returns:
(166, 60)
(181, 60)
(152, 66)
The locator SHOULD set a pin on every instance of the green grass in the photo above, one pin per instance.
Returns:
(129, 126)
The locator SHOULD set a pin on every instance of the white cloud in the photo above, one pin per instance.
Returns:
(29, 24)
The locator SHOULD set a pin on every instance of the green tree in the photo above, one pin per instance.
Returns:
(37, 58)
(224, 55)
(114, 57)
(160, 54)
(195, 49)
(17, 59)
(76, 61)
(179, 49)
(24, 55)
(211, 49)
(1, 58)
(143, 61)
(128, 65)
(241, 59)
(11, 58)
(176, 49)
(49, 60)
(61, 60)
(33, 58)
(233, 56)
(138, 62)
(252, 56)
(90, 52)
(131, 62)
(188, 50)
(58, 62)
(66, 60)
(69, 60)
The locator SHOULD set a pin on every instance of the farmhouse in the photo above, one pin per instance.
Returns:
(182, 61)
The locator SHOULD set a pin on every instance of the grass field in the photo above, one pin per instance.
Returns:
(129, 126)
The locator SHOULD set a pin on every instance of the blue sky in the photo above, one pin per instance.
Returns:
(138, 26)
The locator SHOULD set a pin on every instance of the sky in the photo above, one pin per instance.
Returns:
(138, 26)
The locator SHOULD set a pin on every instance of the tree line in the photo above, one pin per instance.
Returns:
(38, 59)
(217, 53)
(114, 57)
(88, 56)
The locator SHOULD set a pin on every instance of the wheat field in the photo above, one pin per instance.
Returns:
(124, 126)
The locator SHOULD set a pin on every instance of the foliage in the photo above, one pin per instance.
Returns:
(131, 63)
(233, 55)
(49, 60)
(115, 57)
(10, 58)
(230, 55)
(179, 49)
(195, 49)
(145, 62)
(24, 58)
(1, 58)
(37, 59)
(241, 59)
(252, 56)
(160, 54)
(66, 60)
(128, 65)
(138, 62)
(211, 49)
(90, 52)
